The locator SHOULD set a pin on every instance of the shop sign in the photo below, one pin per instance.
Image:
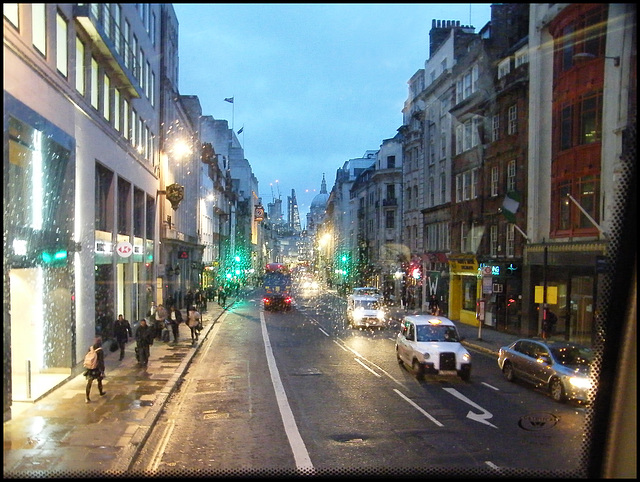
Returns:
(124, 249)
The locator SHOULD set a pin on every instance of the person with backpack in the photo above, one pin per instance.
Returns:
(94, 364)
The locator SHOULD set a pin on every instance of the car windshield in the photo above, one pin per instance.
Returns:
(437, 333)
(367, 304)
(572, 355)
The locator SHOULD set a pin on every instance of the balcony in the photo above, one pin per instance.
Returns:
(392, 201)
(110, 42)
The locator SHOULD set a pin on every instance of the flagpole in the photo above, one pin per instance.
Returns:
(233, 111)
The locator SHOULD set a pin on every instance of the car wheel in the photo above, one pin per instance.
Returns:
(557, 390)
(507, 371)
(417, 369)
(465, 375)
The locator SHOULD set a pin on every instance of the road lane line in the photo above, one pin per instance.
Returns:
(300, 454)
(417, 407)
(376, 374)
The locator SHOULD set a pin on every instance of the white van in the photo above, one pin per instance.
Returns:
(365, 311)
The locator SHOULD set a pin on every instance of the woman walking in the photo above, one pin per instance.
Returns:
(193, 320)
(96, 373)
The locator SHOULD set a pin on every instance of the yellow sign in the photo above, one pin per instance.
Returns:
(552, 295)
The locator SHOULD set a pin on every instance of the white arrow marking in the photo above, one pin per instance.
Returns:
(478, 417)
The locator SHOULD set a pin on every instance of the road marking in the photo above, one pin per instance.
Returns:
(326, 334)
(478, 417)
(491, 386)
(418, 408)
(376, 374)
(300, 454)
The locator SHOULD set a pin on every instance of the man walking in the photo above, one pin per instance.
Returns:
(122, 332)
(144, 339)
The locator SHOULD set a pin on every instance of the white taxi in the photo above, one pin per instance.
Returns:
(431, 345)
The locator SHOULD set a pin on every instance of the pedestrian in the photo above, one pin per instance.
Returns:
(549, 321)
(193, 320)
(222, 296)
(122, 332)
(188, 299)
(433, 306)
(144, 339)
(160, 317)
(96, 373)
(175, 318)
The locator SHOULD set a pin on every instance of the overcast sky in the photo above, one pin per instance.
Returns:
(314, 85)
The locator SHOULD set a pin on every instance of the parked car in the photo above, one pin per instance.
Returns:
(561, 367)
(366, 311)
(431, 345)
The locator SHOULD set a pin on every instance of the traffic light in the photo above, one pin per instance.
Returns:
(54, 257)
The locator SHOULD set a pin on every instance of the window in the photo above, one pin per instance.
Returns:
(510, 240)
(504, 67)
(494, 181)
(512, 127)
(590, 115)
(391, 191)
(10, 11)
(391, 162)
(62, 55)
(116, 109)
(39, 27)
(106, 98)
(390, 219)
(125, 118)
(117, 20)
(466, 186)
(94, 83)
(432, 193)
(124, 203)
(80, 78)
(495, 128)
(443, 188)
(511, 175)
(443, 145)
(493, 240)
(522, 56)
(103, 213)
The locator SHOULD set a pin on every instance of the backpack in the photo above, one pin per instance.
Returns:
(91, 358)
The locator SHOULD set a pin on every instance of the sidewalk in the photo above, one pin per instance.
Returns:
(59, 431)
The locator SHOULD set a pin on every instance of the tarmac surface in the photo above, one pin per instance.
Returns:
(61, 436)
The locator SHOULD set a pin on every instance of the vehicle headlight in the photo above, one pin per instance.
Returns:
(466, 358)
(580, 382)
(426, 355)
(357, 313)
(380, 315)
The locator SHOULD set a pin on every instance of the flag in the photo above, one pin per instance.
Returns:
(229, 99)
(240, 130)
(510, 205)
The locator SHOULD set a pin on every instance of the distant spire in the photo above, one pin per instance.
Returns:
(323, 187)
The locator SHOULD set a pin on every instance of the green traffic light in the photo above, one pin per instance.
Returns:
(237, 258)
(58, 256)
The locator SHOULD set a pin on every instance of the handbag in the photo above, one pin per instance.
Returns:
(114, 346)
